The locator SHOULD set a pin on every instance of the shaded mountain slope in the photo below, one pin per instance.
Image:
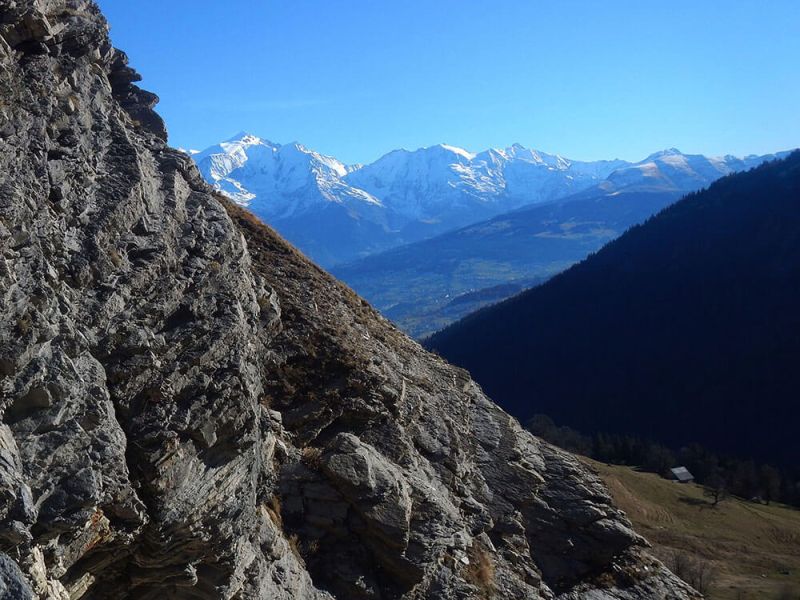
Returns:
(191, 410)
(414, 284)
(684, 329)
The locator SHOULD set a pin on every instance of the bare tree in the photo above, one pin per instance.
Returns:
(694, 570)
(716, 489)
(770, 483)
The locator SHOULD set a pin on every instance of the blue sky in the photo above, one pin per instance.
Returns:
(587, 79)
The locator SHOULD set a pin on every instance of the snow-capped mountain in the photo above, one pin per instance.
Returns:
(449, 186)
(672, 170)
(337, 213)
(278, 181)
(402, 197)
(426, 285)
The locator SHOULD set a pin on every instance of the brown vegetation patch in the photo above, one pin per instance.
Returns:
(273, 508)
(311, 457)
(751, 550)
(480, 571)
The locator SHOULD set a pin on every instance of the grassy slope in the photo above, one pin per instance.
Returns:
(751, 544)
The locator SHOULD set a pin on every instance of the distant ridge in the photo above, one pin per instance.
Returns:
(684, 329)
(337, 213)
(414, 284)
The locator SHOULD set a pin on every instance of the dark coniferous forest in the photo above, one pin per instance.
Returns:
(741, 477)
(685, 329)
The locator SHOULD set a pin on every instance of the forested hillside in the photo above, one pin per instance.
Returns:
(684, 329)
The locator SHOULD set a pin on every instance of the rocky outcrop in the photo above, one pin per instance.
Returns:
(190, 409)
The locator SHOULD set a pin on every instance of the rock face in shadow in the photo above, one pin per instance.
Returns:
(191, 409)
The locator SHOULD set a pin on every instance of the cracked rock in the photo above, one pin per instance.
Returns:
(189, 409)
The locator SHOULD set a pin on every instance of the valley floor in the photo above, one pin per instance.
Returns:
(755, 548)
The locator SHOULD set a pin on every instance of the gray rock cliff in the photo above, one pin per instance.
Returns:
(190, 409)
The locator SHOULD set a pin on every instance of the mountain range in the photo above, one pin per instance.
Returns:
(337, 213)
(684, 329)
(190, 409)
(430, 235)
(426, 285)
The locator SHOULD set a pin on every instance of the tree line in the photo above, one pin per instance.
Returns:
(684, 328)
(723, 475)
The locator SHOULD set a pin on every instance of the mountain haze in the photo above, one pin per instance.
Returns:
(427, 285)
(336, 213)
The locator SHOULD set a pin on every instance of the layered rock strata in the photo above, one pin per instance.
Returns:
(191, 409)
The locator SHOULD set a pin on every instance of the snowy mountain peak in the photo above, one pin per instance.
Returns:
(298, 147)
(241, 142)
(520, 152)
(407, 195)
(436, 185)
(276, 180)
(246, 138)
(672, 170)
(456, 150)
(219, 161)
(663, 153)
